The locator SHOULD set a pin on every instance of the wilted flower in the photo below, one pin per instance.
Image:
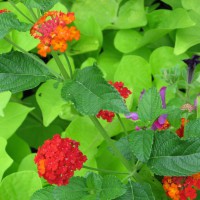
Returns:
(53, 31)
(57, 159)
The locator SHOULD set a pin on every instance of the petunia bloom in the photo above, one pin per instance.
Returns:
(53, 31)
(57, 159)
(124, 93)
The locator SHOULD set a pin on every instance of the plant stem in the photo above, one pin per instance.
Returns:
(105, 170)
(16, 8)
(60, 65)
(69, 65)
(33, 14)
(122, 125)
(32, 56)
(110, 143)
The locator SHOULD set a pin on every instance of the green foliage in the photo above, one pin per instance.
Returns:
(140, 142)
(91, 187)
(5, 97)
(172, 156)
(94, 94)
(137, 191)
(19, 185)
(5, 159)
(192, 129)
(19, 72)
(150, 106)
(8, 22)
(174, 117)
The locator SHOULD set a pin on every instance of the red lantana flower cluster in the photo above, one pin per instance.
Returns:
(53, 31)
(123, 91)
(57, 159)
(3, 11)
(182, 188)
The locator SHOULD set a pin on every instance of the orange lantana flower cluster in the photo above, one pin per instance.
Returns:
(182, 188)
(53, 31)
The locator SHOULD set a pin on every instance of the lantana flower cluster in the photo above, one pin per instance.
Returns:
(53, 31)
(57, 159)
(3, 11)
(123, 91)
(182, 188)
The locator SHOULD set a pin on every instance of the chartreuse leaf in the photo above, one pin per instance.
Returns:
(90, 93)
(14, 116)
(192, 129)
(4, 99)
(131, 15)
(150, 106)
(27, 163)
(133, 70)
(140, 142)
(19, 72)
(173, 4)
(19, 185)
(198, 107)
(84, 9)
(5, 159)
(172, 156)
(9, 21)
(49, 99)
(43, 5)
(4, 46)
(137, 191)
(191, 5)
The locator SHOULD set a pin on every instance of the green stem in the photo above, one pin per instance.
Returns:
(33, 14)
(60, 65)
(32, 56)
(110, 143)
(16, 8)
(122, 124)
(69, 65)
(105, 170)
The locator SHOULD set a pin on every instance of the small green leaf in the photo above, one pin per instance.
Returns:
(192, 129)
(5, 159)
(19, 72)
(9, 21)
(90, 93)
(172, 156)
(111, 188)
(140, 143)
(150, 106)
(4, 99)
(27, 163)
(14, 116)
(44, 194)
(137, 191)
(198, 107)
(174, 117)
(19, 185)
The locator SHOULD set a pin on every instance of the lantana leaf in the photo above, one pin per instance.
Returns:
(18, 72)
(172, 156)
(9, 21)
(90, 93)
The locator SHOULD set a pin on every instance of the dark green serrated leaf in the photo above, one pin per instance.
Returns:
(172, 156)
(192, 129)
(94, 184)
(90, 93)
(140, 143)
(19, 72)
(44, 194)
(76, 189)
(137, 191)
(112, 188)
(9, 21)
(150, 106)
(174, 117)
(43, 5)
